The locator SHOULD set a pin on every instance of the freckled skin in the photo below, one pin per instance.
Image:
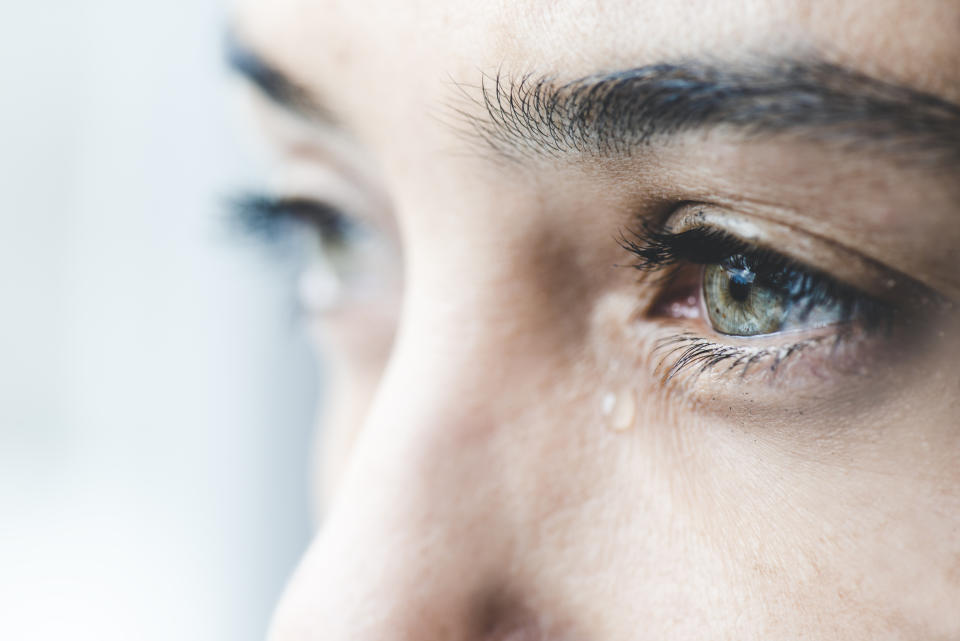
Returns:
(470, 486)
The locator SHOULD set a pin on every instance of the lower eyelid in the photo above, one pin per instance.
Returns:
(692, 354)
(687, 347)
(687, 354)
(827, 377)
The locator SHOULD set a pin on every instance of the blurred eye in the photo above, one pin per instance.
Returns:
(274, 220)
(336, 256)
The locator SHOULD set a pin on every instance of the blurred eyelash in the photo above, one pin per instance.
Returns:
(269, 218)
(658, 250)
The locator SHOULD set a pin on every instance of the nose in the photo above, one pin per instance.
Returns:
(415, 540)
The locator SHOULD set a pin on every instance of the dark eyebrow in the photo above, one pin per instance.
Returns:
(617, 113)
(274, 83)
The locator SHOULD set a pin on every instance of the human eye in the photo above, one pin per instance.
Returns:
(756, 293)
(746, 306)
(330, 232)
(337, 255)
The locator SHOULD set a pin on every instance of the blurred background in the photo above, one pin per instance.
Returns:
(155, 392)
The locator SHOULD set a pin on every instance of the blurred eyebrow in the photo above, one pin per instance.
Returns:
(275, 84)
(617, 113)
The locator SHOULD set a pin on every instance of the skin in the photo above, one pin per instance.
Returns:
(469, 483)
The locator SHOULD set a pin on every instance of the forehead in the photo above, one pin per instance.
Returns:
(386, 68)
(580, 36)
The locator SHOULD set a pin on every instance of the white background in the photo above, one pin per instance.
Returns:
(155, 392)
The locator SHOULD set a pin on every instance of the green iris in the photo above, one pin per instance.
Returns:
(739, 303)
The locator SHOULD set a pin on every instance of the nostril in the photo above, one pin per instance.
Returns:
(523, 633)
(501, 616)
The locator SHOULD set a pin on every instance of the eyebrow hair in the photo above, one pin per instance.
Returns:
(617, 113)
(277, 85)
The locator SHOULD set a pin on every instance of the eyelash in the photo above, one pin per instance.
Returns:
(658, 250)
(268, 218)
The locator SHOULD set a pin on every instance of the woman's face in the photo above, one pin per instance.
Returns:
(638, 314)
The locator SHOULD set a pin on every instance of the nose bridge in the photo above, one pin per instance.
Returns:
(412, 540)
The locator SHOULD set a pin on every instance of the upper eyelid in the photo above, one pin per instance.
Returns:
(720, 244)
(657, 249)
(805, 250)
(656, 246)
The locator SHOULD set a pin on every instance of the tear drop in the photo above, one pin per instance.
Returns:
(620, 410)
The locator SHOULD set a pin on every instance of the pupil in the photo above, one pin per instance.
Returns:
(739, 288)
